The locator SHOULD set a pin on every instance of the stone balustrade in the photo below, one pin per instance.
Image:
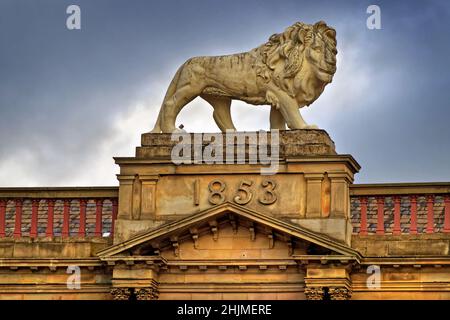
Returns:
(400, 208)
(395, 209)
(58, 212)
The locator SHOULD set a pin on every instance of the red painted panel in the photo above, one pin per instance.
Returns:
(98, 217)
(363, 228)
(82, 227)
(50, 213)
(18, 220)
(380, 215)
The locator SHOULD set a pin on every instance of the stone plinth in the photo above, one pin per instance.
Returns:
(293, 143)
(310, 186)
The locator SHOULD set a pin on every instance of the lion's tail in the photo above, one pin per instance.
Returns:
(170, 92)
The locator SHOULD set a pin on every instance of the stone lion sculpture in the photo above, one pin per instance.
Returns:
(288, 72)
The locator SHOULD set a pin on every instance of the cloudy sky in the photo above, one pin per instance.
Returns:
(70, 100)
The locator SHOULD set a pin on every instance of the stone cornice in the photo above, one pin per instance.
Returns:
(59, 192)
(399, 188)
(50, 262)
(416, 261)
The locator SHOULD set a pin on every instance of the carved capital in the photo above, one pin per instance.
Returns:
(146, 293)
(314, 293)
(340, 293)
(121, 293)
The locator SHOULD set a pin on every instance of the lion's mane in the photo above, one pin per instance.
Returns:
(288, 47)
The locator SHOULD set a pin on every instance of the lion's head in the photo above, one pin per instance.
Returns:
(311, 48)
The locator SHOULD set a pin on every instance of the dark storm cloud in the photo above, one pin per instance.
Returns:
(401, 127)
(68, 98)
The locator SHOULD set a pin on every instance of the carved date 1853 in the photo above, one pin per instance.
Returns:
(244, 193)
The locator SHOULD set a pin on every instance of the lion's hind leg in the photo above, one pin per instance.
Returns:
(222, 112)
(157, 127)
(172, 106)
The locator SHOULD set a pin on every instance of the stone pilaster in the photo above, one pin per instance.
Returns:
(340, 197)
(137, 278)
(313, 194)
(148, 196)
(328, 281)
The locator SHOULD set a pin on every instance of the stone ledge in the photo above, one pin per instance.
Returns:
(402, 245)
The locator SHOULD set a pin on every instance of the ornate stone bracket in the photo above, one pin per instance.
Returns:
(334, 293)
(314, 293)
(150, 293)
(121, 293)
(340, 293)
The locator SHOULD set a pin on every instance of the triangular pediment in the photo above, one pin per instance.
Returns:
(228, 215)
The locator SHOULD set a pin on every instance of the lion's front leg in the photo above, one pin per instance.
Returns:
(276, 119)
(288, 108)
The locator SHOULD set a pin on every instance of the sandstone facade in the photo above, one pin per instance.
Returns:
(224, 231)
